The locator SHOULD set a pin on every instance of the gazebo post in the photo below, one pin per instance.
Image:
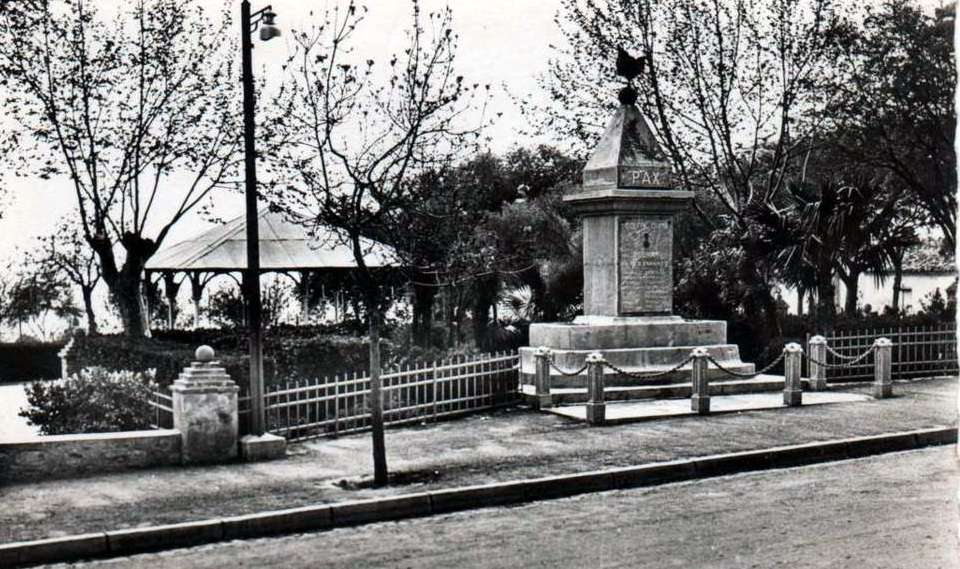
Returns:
(196, 293)
(304, 295)
(170, 289)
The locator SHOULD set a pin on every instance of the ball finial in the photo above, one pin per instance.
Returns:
(204, 354)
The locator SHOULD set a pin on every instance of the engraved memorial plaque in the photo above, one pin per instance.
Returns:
(646, 271)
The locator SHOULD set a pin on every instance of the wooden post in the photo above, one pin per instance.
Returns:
(541, 383)
(792, 388)
(882, 368)
(818, 356)
(700, 388)
(596, 405)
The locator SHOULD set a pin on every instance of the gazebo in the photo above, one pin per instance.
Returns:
(285, 247)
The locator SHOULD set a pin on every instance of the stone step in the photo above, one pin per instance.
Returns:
(578, 395)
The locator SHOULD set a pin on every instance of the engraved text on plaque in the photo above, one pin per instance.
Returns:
(646, 271)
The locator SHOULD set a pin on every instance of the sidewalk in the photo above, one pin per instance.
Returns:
(505, 445)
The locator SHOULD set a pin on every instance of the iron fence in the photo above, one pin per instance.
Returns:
(302, 410)
(918, 351)
(162, 416)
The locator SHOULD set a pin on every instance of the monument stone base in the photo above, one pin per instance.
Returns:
(636, 344)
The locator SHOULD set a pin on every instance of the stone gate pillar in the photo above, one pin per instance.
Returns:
(205, 410)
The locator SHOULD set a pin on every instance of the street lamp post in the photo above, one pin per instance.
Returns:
(251, 277)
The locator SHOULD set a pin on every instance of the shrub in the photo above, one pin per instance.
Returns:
(95, 401)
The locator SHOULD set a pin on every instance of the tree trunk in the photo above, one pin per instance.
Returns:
(423, 301)
(128, 297)
(852, 283)
(125, 283)
(897, 281)
(826, 305)
(485, 294)
(92, 329)
(376, 397)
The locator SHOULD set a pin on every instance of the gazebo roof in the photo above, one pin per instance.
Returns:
(284, 246)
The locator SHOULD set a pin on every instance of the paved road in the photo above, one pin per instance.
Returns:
(892, 511)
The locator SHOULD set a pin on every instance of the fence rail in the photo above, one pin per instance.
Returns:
(424, 392)
(162, 404)
(918, 351)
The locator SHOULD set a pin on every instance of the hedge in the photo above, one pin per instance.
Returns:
(29, 361)
(285, 358)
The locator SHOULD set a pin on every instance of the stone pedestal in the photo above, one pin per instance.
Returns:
(205, 410)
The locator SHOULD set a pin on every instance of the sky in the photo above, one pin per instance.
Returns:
(502, 42)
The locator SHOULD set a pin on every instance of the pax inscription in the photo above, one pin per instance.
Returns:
(646, 270)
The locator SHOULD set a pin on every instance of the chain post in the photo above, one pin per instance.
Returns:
(541, 380)
(596, 405)
(818, 356)
(792, 386)
(882, 368)
(700, 388)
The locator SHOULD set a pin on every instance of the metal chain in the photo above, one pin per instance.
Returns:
(766, 368)
(647, 375)
(567, 373)
(837, 354)
(850, 363)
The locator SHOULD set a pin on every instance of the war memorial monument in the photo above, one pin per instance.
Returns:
(627, 203)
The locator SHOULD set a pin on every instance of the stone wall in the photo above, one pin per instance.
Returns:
(65, 456)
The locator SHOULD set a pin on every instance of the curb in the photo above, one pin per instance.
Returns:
(318, 517)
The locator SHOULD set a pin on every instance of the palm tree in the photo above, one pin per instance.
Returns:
(839, 227)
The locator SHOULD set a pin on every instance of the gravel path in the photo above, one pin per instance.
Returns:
(505, 445)
(13, 427)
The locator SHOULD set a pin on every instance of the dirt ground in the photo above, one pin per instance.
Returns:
(508, 444)
(893, 511)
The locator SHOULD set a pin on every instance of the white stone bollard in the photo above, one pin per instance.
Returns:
(818, 356)
(541, 382)
(883, 368)
(700, 385)
(792, 386)
(596, 405)
(205, 410)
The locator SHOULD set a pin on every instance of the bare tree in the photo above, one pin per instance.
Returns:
(118, 107)
(352, 135)
(67, 255)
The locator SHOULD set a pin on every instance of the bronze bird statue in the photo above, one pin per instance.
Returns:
(628, 66)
